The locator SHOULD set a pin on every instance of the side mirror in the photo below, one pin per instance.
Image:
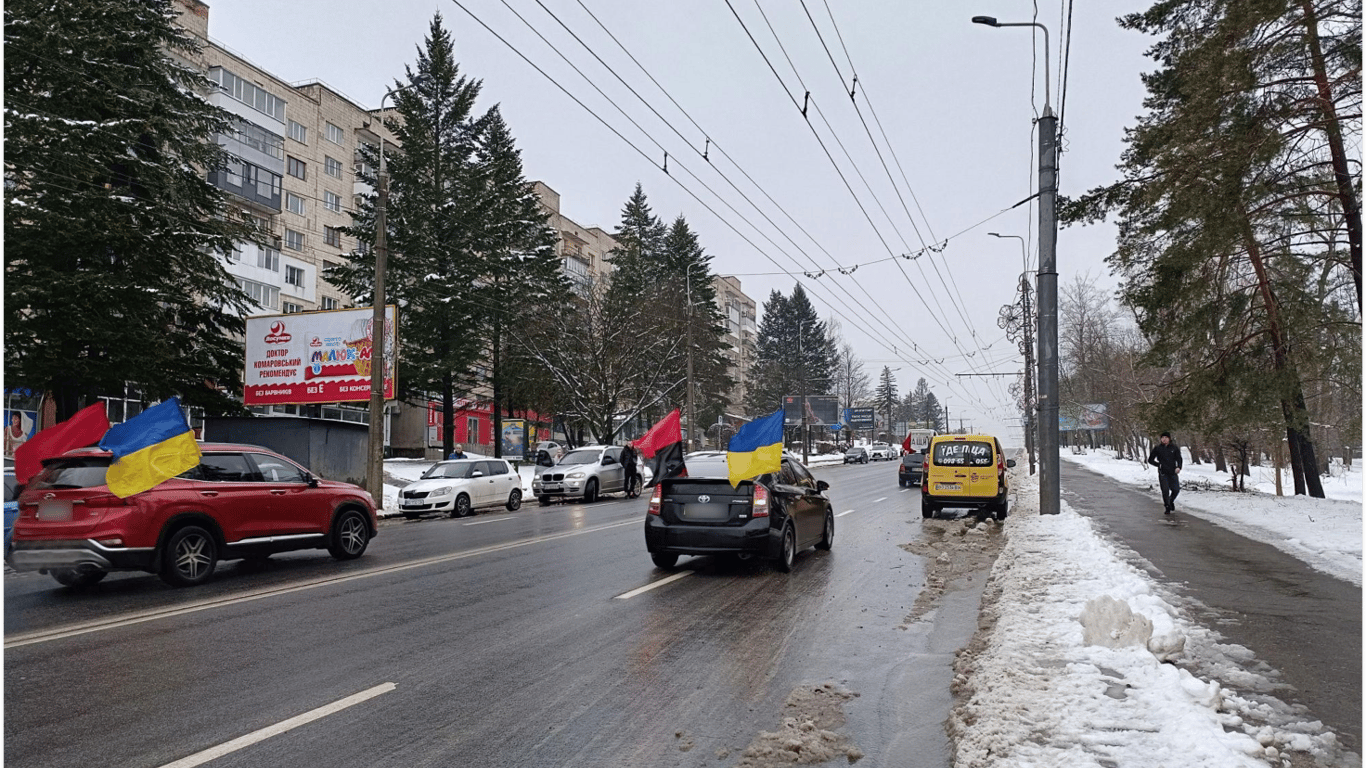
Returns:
(1010, 463)
(476, 473)
(608, 460)
(311, 479)
(822, 486)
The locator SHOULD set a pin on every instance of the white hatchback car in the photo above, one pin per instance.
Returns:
(460, 486)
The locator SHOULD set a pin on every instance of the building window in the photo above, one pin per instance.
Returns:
(248, 93)
(297, 168)
(331, 201)
(291, 308)
(294, 240)
(332, 236)
(335, 134)
(294, 203)
(294, 276)
(333, 166)
(330, 303)
(267, 296)
(298, 132)
(268, 258)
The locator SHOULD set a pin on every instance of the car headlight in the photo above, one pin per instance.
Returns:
(576, 476)
(441, 492)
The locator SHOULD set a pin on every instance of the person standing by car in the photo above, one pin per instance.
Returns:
(1166, 456)
(458, 453)
(632, 479)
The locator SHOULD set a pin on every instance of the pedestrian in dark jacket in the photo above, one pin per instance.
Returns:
(628, 461)
(1166, 456)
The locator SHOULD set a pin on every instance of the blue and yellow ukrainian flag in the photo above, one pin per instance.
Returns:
(149, 449)
(757, 448)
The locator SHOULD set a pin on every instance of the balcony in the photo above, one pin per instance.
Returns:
(256, 186)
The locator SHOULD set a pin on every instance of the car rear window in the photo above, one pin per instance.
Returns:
(711, 466)
(913, 459)
(82, 472)
(963, 453)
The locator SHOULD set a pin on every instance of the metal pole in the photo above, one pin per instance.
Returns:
(801, 354)
(1029, 374)
(1049, 487)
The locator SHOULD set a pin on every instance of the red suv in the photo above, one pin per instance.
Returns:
(242, 501)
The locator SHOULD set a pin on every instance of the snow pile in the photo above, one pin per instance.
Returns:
(1324, 533)
(1032, 690)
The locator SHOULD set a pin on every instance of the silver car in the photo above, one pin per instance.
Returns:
(583, 473)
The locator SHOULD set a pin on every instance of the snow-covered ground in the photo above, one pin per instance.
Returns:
(1037, 693)
(1325, 533)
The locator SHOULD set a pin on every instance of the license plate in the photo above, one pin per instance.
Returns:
(54, 509)
(948, 486)
(706, 511)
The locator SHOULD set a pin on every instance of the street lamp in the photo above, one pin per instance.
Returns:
(1029, 424)
(1049, 466)
(687, 279)
(375, 470)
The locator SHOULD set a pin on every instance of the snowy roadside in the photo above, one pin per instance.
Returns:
(1324, 533)
(1039, 686)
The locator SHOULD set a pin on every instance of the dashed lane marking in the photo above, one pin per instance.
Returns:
(47, 635)
(653, 585)
(845, 512)
(241, 742)
(876, 501)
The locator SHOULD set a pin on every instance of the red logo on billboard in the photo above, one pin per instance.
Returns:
(277, 334)
(316, 342)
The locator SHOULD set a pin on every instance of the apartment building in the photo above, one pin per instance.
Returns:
(741, 335)
(583, 250)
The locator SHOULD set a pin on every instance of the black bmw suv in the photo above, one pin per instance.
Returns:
(772, 516)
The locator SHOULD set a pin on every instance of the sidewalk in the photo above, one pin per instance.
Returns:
(1098, 644)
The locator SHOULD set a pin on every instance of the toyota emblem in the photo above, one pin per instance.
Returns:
(703, 499)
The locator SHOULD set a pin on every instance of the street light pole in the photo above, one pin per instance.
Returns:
(1030, 405)
(1049, 461)
(374, 475)
(801, 355)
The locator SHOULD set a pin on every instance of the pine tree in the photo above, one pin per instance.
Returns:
(885, 395)
(435, 236)
(520, 272)
(114, 238)
(636, 261)
(793, 351)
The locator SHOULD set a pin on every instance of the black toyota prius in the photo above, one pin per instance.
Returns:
(772, 516)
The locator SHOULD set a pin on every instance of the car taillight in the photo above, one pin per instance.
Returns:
(655, 499)
(760, 506)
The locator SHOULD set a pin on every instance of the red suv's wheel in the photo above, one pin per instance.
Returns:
(190, 556)
(350, 535)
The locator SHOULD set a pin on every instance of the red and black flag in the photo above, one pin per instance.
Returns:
(664, 443)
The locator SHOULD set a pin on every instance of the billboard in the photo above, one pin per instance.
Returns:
(514, 438)
(859, 417)
(1092, 417)
(315, 357)
(820, 410)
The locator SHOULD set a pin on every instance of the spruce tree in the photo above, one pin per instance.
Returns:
(885, 395)
(520, 271)
(640, 246)
(114, 238)
(435, 239)
(793, 349)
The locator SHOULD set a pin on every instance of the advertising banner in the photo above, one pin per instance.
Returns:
(820, 410)
(860, 417)
(315, 357)
(1090, 417)
(514, 438)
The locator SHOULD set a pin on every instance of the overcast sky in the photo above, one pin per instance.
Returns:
(954, 98)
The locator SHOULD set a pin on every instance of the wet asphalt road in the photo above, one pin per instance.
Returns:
(1302, 622)
(505, 643)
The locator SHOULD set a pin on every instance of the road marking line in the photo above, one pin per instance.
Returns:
(876, 501)
(241, 742)
(845, 512)
(491, 520)
(59, 633)
(652, 585)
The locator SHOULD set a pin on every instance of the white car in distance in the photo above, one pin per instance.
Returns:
(460, 486)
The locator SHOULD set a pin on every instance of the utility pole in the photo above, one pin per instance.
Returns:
(374, 473)
(1050, 490)
(801, 355)
(687, 279)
